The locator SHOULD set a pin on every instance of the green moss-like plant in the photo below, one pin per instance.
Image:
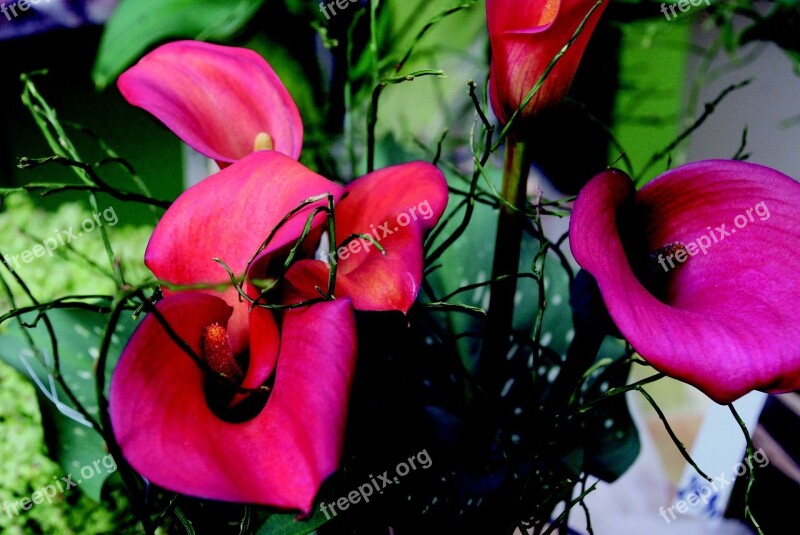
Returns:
(26, 468)
(78, 267)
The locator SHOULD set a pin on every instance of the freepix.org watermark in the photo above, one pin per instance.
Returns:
(378, 233)
(341, 4)
(683, 5)
(22, 5)
(62, 237)
(48, 492)
(705, 492)
(420, 460)
(681, 252)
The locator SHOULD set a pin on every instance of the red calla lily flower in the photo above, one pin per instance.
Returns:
(161, 405)
(525, 36)
(225, 102)
(699, 271)
(395, 206)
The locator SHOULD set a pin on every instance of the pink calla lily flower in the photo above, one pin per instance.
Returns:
(162, 420)
(228, 216)
(699, 271)
(224, 102)
(525, 36)
(161, 404)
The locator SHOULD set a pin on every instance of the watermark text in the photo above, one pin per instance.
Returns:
(705, 492)
(683, 5)
(22, 5)
(420, 460)
(48, 492)
(341, 4)
(680, 252)
(380, 232)
(61, 238)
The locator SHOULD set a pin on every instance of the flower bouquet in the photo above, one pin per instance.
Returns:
(382, 295)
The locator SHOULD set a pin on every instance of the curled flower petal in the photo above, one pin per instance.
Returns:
(217, 99)
(228, 216)
(525, 37)
(280, 457)
(395, 206)
(723, 319)
(264, 347)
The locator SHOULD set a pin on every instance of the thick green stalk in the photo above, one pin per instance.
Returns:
(510, 226)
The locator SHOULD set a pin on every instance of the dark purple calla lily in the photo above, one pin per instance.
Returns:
(163, 407)
(224, 102)
(699, 271)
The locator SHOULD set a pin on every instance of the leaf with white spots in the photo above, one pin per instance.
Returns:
(613, 443)
(72, 440)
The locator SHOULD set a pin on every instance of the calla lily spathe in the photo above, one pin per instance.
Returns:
(159, 408)
(525, 36)
(168, 433)
(723, 319)
(225, 102)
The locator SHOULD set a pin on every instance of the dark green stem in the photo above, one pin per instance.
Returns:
(510, 226)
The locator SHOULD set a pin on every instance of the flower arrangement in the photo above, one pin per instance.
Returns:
(340, 329)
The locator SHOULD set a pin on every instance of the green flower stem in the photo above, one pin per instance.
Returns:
(748, 512)
(510, 226)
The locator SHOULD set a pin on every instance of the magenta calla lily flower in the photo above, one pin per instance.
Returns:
(225, 102)
(168, 433)
(525, 36)
(699, 271)
(167, 424)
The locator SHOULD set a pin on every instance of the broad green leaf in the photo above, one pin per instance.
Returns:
(613, 440)
(136, 25)
(73, 444)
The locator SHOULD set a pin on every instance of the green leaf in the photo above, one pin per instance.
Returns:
(10, 191)
(72, 444)
(476, 245)
(136, 25)
(288, 524)
(613, 440)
